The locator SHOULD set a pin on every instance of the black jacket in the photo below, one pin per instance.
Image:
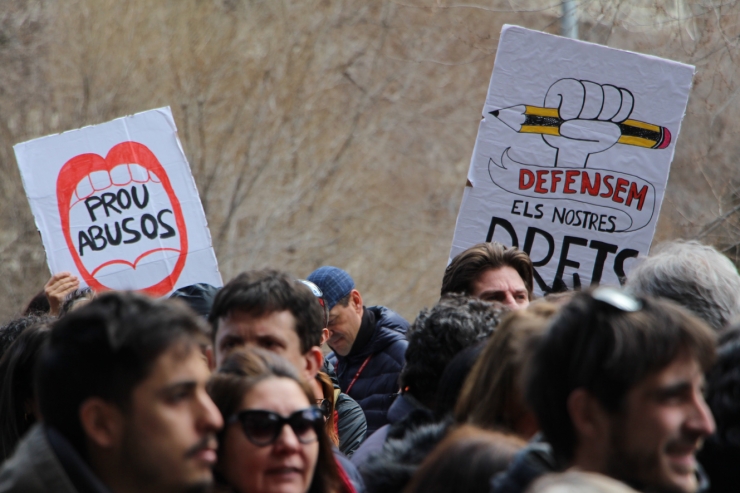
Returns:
(530, 463)
(390, 469)
(402, 407)
(377, 385)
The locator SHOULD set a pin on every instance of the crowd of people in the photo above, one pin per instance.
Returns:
(278, 384)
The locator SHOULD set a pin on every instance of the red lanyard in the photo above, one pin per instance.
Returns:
(357, 375)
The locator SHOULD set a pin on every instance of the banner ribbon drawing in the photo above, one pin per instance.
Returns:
(627, 198)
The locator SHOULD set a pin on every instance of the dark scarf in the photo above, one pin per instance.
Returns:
(367, 328)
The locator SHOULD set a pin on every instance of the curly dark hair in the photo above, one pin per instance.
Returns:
(438, 334)
(11, 330)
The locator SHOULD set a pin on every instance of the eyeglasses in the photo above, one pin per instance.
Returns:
(319, 296)
(617, 299)
(262, 428)
(325, 406)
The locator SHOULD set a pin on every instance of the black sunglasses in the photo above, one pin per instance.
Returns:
(262, 428)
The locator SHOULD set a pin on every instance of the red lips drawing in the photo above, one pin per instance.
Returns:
(117, 217)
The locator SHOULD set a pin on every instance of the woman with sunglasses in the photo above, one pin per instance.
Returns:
(273, 438)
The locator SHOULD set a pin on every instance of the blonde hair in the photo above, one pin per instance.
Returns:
(578, 482)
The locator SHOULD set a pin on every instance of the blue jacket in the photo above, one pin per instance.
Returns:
(377, 385)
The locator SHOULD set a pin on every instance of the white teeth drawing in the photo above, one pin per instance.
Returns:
(84, 188)
(120, 175)
(138, 173)
(126, 209)
(100, 180)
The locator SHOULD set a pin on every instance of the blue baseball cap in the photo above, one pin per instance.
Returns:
(333, 282)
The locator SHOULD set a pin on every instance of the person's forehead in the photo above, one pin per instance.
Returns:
(244, 323)
(181, 361)
(684, 368)
(499, 279)
(337, 310)
(278, 394)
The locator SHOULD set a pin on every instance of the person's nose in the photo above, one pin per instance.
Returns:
(701, 421)
(287, 441)
(209, 419)
(510, 302)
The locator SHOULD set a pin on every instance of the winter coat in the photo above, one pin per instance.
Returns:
(390, 469)
(37, 466)
(350, 471)
(531, 462)
(351, 424)
(404, 405)
(377, 384)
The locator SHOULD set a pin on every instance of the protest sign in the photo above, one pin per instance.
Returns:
(117, 206)
(572, 155)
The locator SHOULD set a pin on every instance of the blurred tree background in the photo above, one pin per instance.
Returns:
(336, 132)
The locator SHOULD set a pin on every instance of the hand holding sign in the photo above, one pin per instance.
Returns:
(591, 113)
(56, 290)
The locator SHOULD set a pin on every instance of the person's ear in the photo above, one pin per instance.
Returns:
(588, 416)
(102, 422)
(356, 298)
(210, 357)
(324, 336)
(314, 359)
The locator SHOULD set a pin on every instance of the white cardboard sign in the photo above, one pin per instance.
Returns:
(572, 156)
(117, 206)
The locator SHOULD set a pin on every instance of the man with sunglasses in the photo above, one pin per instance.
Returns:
(616, 384)
(121, 386)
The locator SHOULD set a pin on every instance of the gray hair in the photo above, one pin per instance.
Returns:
(694, 275)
